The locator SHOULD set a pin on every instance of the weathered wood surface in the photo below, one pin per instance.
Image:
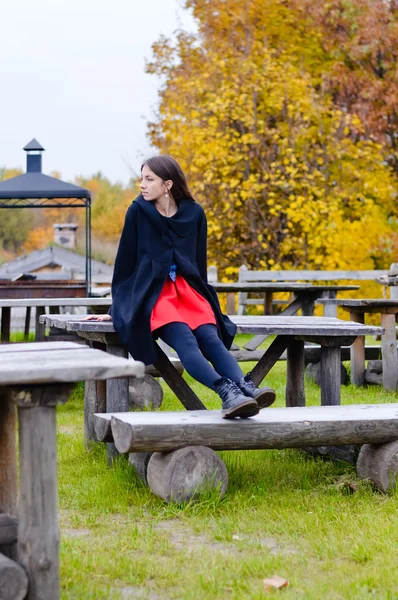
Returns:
(379, 464)
(272, 428)
(80, 363)
(295, 395)
(140, 460)
(8, 463)
(182, 475)
(8, 529)
(389, 352)
(311, 275)
(302, 326)
(117, 394)
(32, 302)
(364, 305)
(312, 354)
(38, 534)
(39, 347)
(13, 580)
(245, 286)
(330, 376)
(279, 325)
(94, 401)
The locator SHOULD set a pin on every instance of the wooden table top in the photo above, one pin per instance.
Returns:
(371, 305)
(265, 286)
(279, 325)
(26, 302)
(44, 362)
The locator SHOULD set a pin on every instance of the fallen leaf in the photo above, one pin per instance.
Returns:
(275, 582)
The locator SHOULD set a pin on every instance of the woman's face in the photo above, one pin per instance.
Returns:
(152, 186)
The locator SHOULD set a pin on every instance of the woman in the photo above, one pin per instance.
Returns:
(160, 289)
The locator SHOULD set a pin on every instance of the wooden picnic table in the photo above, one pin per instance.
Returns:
(388, 310)
(305, 294)
(290, 332)
(40, 304)
(35, 378)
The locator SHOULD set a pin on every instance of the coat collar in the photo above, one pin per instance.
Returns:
(182, 223)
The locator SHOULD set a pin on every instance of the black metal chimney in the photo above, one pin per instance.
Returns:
(33, 161)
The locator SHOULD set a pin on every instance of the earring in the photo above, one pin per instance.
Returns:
(166, 195)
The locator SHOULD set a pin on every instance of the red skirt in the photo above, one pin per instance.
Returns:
(179, 303)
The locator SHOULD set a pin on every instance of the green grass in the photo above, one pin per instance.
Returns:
(284, 513)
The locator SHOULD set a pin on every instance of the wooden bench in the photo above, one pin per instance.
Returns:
(276, 428)
(35, 378)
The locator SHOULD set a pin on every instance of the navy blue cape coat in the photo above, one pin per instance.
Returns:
(150, 243)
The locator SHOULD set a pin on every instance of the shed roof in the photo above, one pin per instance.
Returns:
(69, 261)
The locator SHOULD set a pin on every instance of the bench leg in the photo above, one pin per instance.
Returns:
(8, 463)
(330, 375)
(117, 395)
(5, 323)
(389, 352)
(357, 353)
(40, 328)
(295, 395)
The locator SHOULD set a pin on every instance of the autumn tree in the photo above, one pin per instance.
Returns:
(288, 179)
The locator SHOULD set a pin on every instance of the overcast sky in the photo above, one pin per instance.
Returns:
(72, 76)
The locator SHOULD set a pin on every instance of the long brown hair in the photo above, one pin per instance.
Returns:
(167, 168)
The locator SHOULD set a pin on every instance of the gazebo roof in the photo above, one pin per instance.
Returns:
(37, 185)
(34, 184)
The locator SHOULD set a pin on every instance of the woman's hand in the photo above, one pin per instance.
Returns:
(98, 318)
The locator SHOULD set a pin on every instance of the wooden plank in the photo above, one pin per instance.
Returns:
(295, 395)
(39, 347)
(330, 376)
(58, 302)
(272, 428)
(65, 365)
(360, 302)
(5, 324)
(311, 354)
(389, 353)
(27, 323)
(8, 461)
(38, 534)
(117, 396)
(40, 326)
(358, 353)
(312, 275)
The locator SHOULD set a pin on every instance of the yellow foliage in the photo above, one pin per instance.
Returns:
(286, 178)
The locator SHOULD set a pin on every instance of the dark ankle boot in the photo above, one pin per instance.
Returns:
(264, 396)
(234, 403)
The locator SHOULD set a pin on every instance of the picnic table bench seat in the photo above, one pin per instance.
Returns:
(174, 451)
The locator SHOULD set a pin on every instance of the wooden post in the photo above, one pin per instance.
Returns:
(38, 532)
(268, 303)
(94, 402)
(40, 328)
(117, 395)
(231, 308)
(27, 322)
(330, 375)
(389, 352)
(295, 395)
(357, 353)
(330, 310)
(8, 462)
(5, 323)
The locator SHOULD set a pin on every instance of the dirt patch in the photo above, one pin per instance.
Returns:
(131, 592)
(75, 532)
(184, 538)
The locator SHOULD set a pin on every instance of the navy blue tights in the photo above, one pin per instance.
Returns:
(196, 348)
